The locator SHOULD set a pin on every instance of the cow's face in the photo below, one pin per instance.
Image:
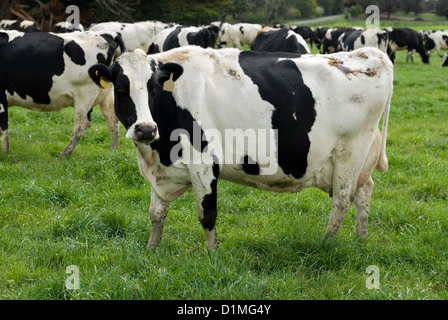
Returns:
(138, 83)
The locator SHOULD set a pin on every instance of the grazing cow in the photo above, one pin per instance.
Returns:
(180, 36)
(404, 38)
(64, 26)
(331, 38)
(48, 72)
(238, 34)
(437, 40)
(279, 40)
(134, 35)
(355, 39)
(320, 35)
(308, 34)
(21, 25)
(309, 120)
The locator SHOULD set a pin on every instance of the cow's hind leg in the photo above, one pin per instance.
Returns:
(107, 109)
(362, 208)
(4, 122)
(157, 213)
(82, 122)
(348, 162)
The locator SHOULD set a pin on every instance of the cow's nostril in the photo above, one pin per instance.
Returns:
(145, 132)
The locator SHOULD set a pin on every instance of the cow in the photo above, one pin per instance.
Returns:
(320, 35)
(180, 36)
(21, 25)
(48, 71)
(238, 34)
(307, 33)
(355, 39)
(279, 40)
(135, 35)
(64, 26)
(308, 120)
(331, 38)
(437, 40)
(405, 38)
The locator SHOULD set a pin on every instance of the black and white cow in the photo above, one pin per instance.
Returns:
(135, 35)
(238, 34)
(405, 38)
(180, 36)
(64, 26)
(437, 40)
(331, 38)
(308, 120)
(48, 72)
(307, 33)
(279, 40)
(320, 35)
(21, 25)
(355, 39)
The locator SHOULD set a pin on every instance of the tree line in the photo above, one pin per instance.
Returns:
(197, 12)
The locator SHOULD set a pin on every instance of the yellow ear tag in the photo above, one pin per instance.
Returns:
(103, 83)
(168, 85)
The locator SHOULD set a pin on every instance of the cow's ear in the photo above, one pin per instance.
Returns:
(168, 73)
(100, 74)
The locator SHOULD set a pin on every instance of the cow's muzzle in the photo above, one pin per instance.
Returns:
(145, 132)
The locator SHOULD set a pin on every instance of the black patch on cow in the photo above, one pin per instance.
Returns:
(281, 84)
(75, 52)
(277, 41)
(201, 38)
(172, 40)
(114, 43)
(153, 48)
(363, 40)
(249, 166)
(4, 114)
(89, 115)
(29, 63)
(124, 106)
(101, 58)
(242, 30)
(209, 202)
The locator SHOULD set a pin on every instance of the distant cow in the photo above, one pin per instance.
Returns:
(135, 35)
(437, 40)
(21, 25)
(331, 39)
(307, 33)
(320, 35)
(48, 72)
(406, 39)
(180, 36)
(238, 34)
(355, 39)
(308, 120)
(279, 40)
(64, 26)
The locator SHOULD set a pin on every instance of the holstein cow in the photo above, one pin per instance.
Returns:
(437, 40)
(238, 34)
(135, 35)
(21, 25)
(307, 33)
(48, 72)
(404, 38)
(330, 41)
(320, 35)
(279, 40)
(355, 39)
(180, 36)
(310, 120)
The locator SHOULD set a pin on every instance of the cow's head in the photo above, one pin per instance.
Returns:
(138, 84)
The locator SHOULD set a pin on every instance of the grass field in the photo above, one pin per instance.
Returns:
(91, 210)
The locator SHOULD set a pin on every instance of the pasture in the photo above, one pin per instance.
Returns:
(91, 210)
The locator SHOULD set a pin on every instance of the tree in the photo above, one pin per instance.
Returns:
(196, 12)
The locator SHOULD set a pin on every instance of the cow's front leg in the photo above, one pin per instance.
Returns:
(205, 189)
(157, 213)
(107, 108)
(4, 122)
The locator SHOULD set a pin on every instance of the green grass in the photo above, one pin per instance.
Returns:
(91, 210)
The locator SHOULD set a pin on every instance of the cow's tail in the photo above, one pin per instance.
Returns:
(382, 164)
